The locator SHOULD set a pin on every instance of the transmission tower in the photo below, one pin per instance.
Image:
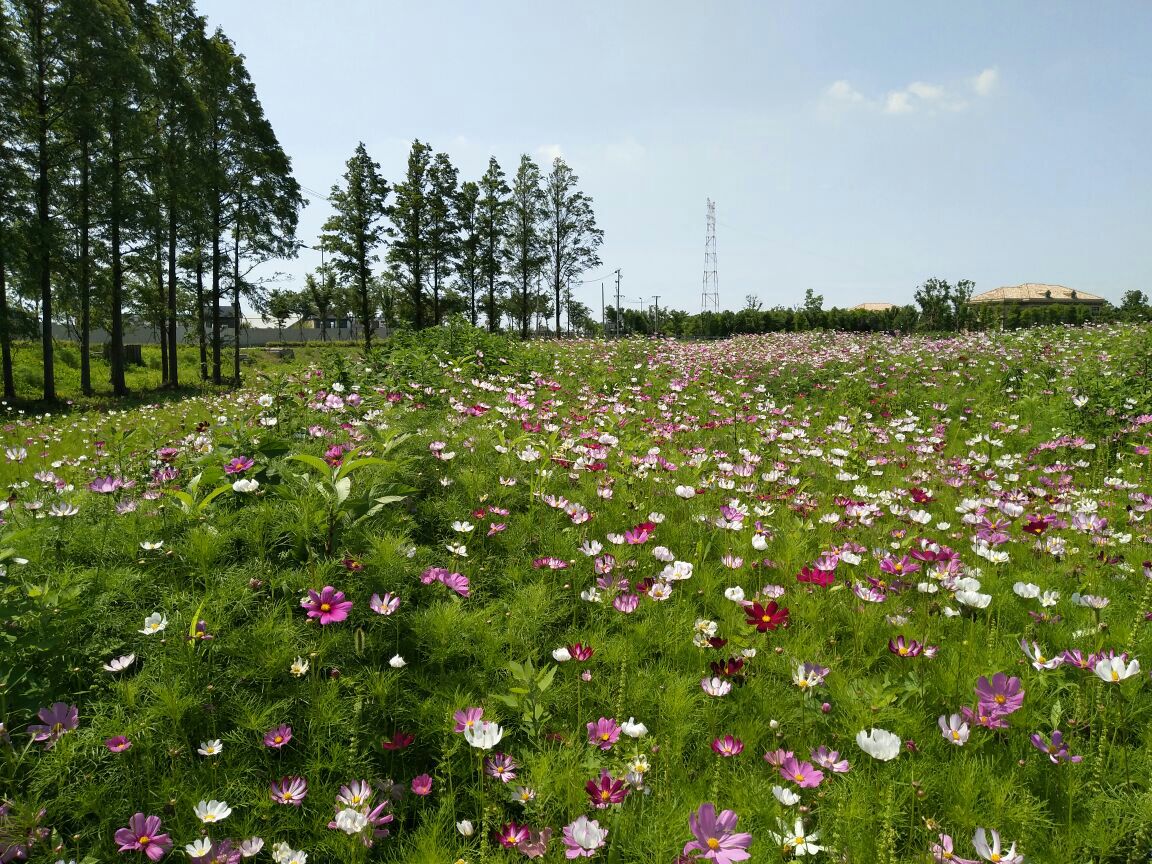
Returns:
(710, 295)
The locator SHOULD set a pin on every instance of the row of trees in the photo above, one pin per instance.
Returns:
(138, 174)
(479, 247)
(940, 307)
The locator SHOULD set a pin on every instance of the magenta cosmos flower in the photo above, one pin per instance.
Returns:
(329, 605)
(238, 465)
(118, 744)
(603, 733)
(422, 785)
(55, 720)
(143, 835)
(803, 774)
(278, 737)
(606, 791)
(715, 838)
(728, 746)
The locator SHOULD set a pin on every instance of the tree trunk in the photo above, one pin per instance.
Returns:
(201, 334)
(236, 296)
(43, 216)
(216, 373)
(556, 288)
(116, 350)
(85, 269)
(5, 335)
(525, 312)
(161, 305)
(364, 313)
(173, 362)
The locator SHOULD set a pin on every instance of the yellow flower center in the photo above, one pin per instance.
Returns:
(604, 736)
(1115, 675)
(605, 795)
(798, 777)
(955, 735)
(903, 651)
(713, 843)
(325, 607)
(279, 739)
(209, 817)
(144, 840)
(799, 841)
(1000, 699)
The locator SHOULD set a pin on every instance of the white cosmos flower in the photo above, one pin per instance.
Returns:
(974, 599)
(685, 492)
(785, 796)
(633, 729)
(397, 662)
(1026, 590)
(199, 848)
(152, 545)
(561, 655)
(735, 594)
(879, 744)
(351, 821)
(1115, 669)
(587, 834)
(212, 811)
(245, 484)
(210, 748)
(154, 623)
(119, 664)
(465, 828)
(462, 527)
(484, 735)
(299, 667)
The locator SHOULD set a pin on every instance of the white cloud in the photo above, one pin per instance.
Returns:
(919, 96)
(985, 82)
(898, 102)
(844, 92)
(546, 153)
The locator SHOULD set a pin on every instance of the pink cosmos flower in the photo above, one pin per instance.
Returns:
(715, 838)
(143, 835)
(583, 837)
(55, 720)
(606, 791)
(603, 733)
(385, 605)
(467, 718)
(289, 790)
(422, 785)
(830, 759)
(804, 774)
(329, 605)
(278, 737)
(238, 465)
(118, 744)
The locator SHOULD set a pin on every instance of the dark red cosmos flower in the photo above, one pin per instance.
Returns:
(606, 791)
(398, 741)
(351, 564)
(765, 618)
(730, 668)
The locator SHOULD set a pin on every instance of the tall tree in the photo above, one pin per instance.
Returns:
(467, 218)
(12, 184)
(443, 231)
(408, 254)
(491, 226)
(39, 30)
(175, 36)
(524, 244)
(266, 200)
(569, 229)
(355, 229)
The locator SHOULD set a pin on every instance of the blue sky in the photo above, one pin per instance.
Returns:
(852, 148)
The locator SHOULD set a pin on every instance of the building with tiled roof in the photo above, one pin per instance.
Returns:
(1037, 294)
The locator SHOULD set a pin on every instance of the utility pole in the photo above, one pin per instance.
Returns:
(603, 316)
(617, 301)
(656, 319)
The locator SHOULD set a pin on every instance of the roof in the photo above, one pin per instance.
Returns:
(874, 307)
(1037, 292)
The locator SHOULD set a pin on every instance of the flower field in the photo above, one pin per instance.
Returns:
(844, 597)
